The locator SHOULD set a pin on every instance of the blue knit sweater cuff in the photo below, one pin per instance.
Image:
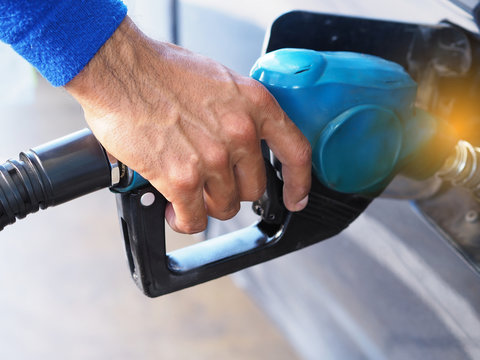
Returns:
(60, 39)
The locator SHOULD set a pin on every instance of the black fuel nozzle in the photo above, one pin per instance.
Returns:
(51, 174)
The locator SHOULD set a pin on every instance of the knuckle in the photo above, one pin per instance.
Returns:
(253, 193)
(193, 226)
(254, 188)
(228, 211)
(185, 182)
(299, 189)
(242, 131)
(232, 208)
(185, 178)
(261, 95)
(217, 159)
(303, 154)
(258, 192)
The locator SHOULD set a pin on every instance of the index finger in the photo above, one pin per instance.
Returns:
(292, 149)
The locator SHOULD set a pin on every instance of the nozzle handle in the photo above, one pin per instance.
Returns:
(157, 272)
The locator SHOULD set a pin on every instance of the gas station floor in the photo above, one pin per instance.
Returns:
(66, 292)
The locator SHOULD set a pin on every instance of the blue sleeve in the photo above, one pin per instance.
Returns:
(59, 37)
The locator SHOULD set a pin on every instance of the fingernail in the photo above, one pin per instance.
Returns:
(301, 204)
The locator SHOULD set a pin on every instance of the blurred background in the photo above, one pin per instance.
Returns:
(65, 288)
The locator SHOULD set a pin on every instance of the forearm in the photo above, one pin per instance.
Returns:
(59, 37)
(114, 72)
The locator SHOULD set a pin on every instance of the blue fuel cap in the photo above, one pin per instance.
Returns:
(358, 149)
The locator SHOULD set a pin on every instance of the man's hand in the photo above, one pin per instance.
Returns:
(190, 126)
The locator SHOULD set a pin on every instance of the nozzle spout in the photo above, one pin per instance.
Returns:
(462, 168)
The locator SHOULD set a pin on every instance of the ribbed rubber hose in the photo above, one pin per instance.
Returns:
(51, 174)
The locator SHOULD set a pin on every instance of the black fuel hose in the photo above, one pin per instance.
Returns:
(51, 174)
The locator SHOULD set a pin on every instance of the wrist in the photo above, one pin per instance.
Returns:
(107, 74)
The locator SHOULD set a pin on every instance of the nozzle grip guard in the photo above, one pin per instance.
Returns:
(279, 232)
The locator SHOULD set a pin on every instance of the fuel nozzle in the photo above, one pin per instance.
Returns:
(358, 113)
(462, 168)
